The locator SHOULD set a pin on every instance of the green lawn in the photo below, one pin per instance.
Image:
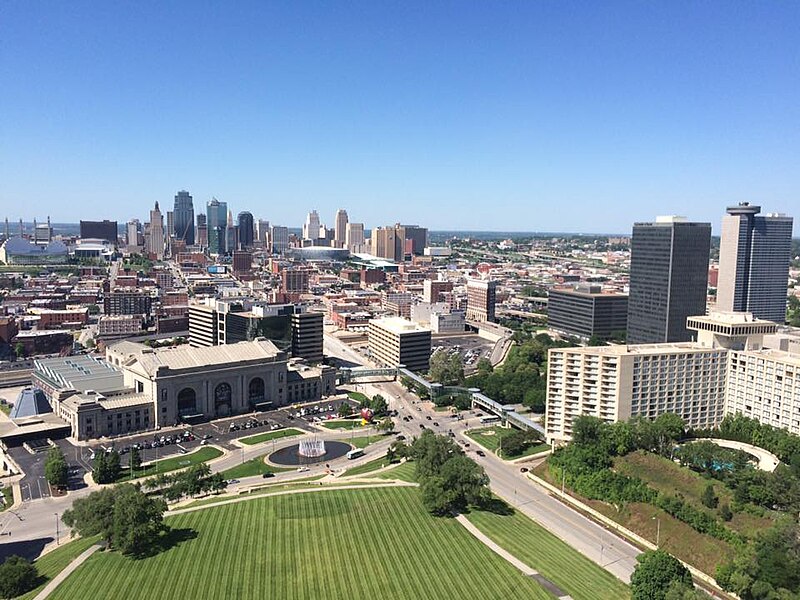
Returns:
(532, 544)
(348, 424)
(406, 471)
(327, 545)
(52, 563)
(254, 466)
(270, 435)
(365, 440)
(358, 397)
(489, 438)
(174, 463)
(368, 467)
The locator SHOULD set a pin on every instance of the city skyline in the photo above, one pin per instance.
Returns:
(404, 113)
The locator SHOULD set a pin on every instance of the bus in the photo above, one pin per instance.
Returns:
(355, 453)
(490, 419)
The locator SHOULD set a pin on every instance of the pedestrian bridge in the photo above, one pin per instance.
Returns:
(506, 413)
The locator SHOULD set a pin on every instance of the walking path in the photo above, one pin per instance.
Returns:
(503, 553)
(55, 581)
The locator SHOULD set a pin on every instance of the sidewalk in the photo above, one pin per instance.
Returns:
(517, 563)
(56, 581)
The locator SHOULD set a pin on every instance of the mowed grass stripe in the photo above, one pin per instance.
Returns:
(355, 544)
(574, 573)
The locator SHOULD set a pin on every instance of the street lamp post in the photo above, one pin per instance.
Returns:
(658, 531)
(56, 515)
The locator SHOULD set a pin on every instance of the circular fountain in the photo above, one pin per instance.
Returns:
(309, 451)
(311, 448)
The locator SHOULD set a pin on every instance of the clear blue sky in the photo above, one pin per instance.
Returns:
(529, 115)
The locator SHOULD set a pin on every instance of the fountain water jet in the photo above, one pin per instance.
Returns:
(311, 448)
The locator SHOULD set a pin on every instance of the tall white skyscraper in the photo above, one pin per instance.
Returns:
(754, 256)
(340, 228)
(354, 237)
(311, 226)
(155, 241)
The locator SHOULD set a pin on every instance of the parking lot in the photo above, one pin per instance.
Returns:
(471, 348)
(155, 445)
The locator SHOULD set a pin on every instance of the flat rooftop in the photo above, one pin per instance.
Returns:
(731, 318)
(80, 372)
(641, 349)
(399, 325)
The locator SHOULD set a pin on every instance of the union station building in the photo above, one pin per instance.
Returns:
(137, 388)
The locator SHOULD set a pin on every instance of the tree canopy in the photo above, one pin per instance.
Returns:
(56, 470)
(127, 519)
(449, 480)
(446, 368)
(656, 571)
(17, 576)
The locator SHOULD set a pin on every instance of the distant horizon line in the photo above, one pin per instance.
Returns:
(439, 232)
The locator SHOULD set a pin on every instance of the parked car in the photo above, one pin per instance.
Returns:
(480, 453)
(268, 474)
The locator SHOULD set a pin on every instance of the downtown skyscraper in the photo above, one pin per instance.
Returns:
(669, 279)
(155, 234)
(311, 226)
(245, 227)
(754, 256)
(216, 222)
(340, 228)
(183, 218)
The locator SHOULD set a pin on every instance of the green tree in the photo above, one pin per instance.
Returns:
(449, 480)
(669, 428)
(126, 518)
(725, 512)
(345, 410)
(596, 340)
(655, 572)
(55, 468)
(137, 520)
(113, 465)
(446, 368)
(19, 350)
(516, 442)
(709, 498)
(100, 467)
(679, 590)
(431, 451)
(386, 425)
(484, 366)
(135, 459)
(92, 515)
(17, 576)
(379, 405)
